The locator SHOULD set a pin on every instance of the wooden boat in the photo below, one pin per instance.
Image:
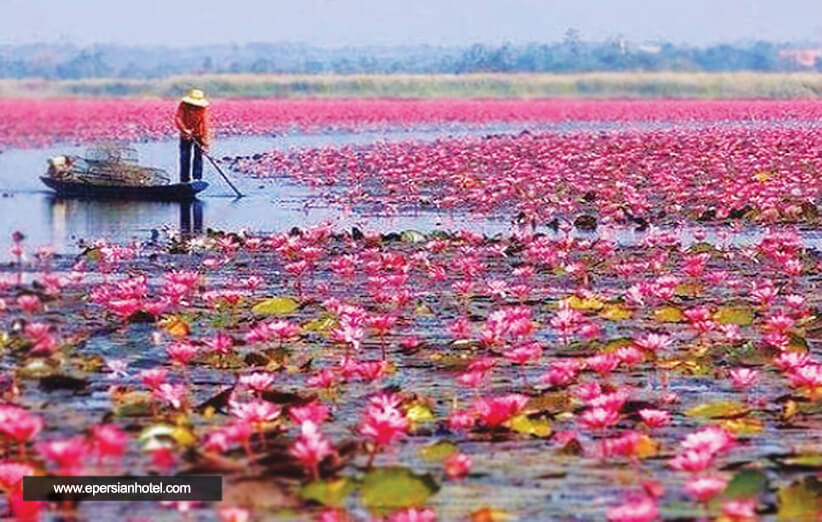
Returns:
(170, 192)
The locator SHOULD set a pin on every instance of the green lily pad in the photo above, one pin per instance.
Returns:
(419, 413)
(133, 404)
(615, 344)
(615, 312)
(330, 493)
(798, 343)
(748, 483)
(739, 315)
(438, 450)
(668, 314)
(388, 489)
(526, 425)
(800, 501)
(807, 460)
(160, 435)
(276, 306)
(718, 410)
(321, 324)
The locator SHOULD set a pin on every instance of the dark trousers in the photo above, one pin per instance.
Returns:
(187, 171)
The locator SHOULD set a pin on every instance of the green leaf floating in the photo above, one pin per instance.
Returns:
(276, 306)
(669, 314)
(739, 315)
(801, 501)
(438, 450)
(388, 489)
(328, 492)
(748, 483)
(718, 410)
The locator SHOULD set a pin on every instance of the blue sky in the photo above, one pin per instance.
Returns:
(333, 23)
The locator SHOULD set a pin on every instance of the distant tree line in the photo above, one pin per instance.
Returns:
(57, 61)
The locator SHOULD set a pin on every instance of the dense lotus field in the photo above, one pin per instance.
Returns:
(346, 375)
(37, 122)
(641, 344)
(744, 174)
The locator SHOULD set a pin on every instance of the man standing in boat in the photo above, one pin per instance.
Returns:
(192, 122)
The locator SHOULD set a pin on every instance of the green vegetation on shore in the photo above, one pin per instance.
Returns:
(480, 85)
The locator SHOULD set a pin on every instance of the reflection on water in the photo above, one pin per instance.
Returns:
(72, 219)
(191, 217)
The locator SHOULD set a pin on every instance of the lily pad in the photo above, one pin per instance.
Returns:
(388, 489)
(330, 493)
(807, 460)
(800, 501)
(159, 435)
(744, 426)
(133, 404)
(536, 427)
(584, 303)
(615, 312)
(718, 410)
(668, 314)
(275, 306)
(321, 324)
(419, 413)
(748, 483)
(438, 450)
(739, 315)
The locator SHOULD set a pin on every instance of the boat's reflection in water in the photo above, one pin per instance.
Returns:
(73, 219)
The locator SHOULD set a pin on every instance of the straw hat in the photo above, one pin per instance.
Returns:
(195, 97)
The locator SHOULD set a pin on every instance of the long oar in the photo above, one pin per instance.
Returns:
(230, 184)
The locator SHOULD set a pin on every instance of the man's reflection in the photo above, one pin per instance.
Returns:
(191, 217)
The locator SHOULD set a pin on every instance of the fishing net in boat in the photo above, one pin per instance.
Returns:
(106, 164)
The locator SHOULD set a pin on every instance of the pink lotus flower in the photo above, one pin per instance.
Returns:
(29, 303)
(383, 423)
(458, 465)
(256, 412)
(172, 394)
(108, 440)
(314, 411)
(494, 411)
(643, 509)
(153, 377)
(694, 461)
(259, 381)
(234, 514)
(461, 420)
(653, 342)
(12, 473)
(123, 308)
(655, 418)
(703, 489)
(787, 361)
(18, 424)
(221, 344)
(599, 418)
(603, 363)
(743, 377)
(712, 440)
(740, 510)
(181, 353)
(66, 453)
(413, 515)
(311, 448)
